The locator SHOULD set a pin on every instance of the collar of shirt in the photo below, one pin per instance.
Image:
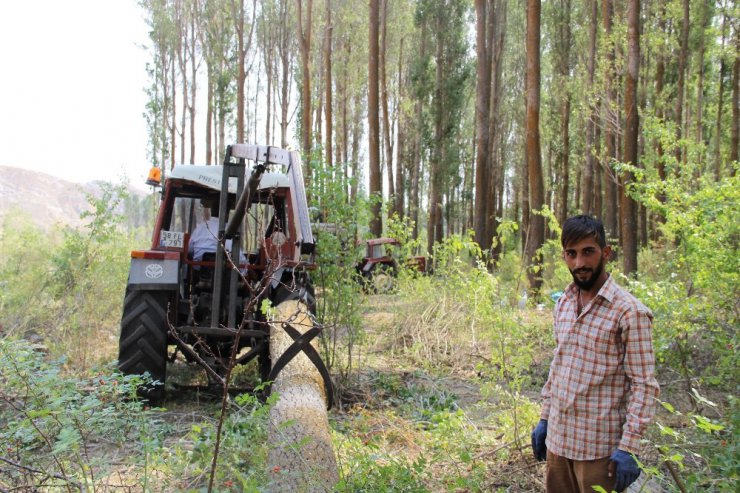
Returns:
(608, 291)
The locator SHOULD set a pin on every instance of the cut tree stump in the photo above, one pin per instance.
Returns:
(301, 456)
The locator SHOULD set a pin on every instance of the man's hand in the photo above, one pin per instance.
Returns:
(624, 465)
(538, 440)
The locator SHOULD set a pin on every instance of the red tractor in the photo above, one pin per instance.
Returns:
(379, 268)
(209, 304)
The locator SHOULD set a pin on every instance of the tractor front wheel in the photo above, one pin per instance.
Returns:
(382, 279)
(143, 342)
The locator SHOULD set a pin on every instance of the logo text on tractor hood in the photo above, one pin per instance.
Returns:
(153, 271)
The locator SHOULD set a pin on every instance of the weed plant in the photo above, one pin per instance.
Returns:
(66, 433)
(64, 289)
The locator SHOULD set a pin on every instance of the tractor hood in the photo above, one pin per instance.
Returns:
(210, 177)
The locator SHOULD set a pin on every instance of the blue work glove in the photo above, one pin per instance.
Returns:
(538, 440)
(624, 465)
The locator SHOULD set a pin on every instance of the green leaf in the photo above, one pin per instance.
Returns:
(705, 424)
(668, 406)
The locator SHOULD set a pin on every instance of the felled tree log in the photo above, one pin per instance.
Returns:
(301, 457)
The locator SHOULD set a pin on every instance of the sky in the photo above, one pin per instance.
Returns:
(72, 79)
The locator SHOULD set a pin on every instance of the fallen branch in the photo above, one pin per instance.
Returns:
(488, 453)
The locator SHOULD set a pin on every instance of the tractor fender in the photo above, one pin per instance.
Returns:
(153, 274)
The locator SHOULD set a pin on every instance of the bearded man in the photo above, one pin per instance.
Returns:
(599, 397)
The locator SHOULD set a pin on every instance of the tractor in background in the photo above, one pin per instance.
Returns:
(378, 269)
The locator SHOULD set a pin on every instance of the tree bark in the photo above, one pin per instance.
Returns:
(193, 83)
(497, 37)
(720, 103)
(356, 134)
(482, 105)
(209, 118)
(241, 74)
(383, 62)
(376, 191)
(735, 105)
(536, 234)
(611, 208)
(328, 114)
(173, 123)
(629, 206)
(301, 456)
(285, 58)
(564, 158)
(304, 37)
(587, 195)
(680, 83)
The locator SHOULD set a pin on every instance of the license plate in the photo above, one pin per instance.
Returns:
(171, 239)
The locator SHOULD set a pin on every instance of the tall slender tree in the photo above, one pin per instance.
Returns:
(373, 110)
(683, 57)
(482, 104)
(328, 104)
(587, 196)
(564, 77)
(536, 231)
(629, 206)
(609, 120)
(305, 21)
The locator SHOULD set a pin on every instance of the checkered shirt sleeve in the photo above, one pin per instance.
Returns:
(600, 393)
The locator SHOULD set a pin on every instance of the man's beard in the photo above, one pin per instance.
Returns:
(588, 283)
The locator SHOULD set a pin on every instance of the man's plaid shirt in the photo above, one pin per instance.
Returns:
(601, 391)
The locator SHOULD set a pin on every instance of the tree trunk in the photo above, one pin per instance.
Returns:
(241, 74)
(301, 456)
(629, 206)
(735, 106)
(611, 208)
(304, 37)
(564, 157)
(587, 195)
(209, 118)
(173, 123)
(328, 88)
(383, 62)
(598, 175)
(482, 105)
(720, 103)
(376, 190)
(183, 63)
(284, 51)
(398, 203)
(700, 83)
(496, 171)
(683, 56)
(193, 85)
(536, 234)
(356, 134)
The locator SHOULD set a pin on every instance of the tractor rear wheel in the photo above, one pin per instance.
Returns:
(382, 279)
(143, 342)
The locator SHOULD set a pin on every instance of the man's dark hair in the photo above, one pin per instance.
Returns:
(578, 227)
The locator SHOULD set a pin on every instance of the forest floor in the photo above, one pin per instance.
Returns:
(408, 409)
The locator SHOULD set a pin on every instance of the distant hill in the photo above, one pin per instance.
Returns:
(46, 200)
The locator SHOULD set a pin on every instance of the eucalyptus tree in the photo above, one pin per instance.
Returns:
(304, 15)
(373, 110)
(535, 234)
(588, 203)
(628, 205)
